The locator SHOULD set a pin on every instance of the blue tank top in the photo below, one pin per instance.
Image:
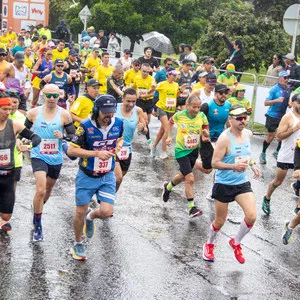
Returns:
(100, 139)
(237, 151)
(62, 82)
(45, 65)
(50, 148)
(217, 117)
(129, 125)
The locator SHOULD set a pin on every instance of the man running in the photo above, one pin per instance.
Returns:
(8, 131)
(191, 125)
(231, 159)
(133, 118)
(288, 132)
(97, 141)
(49, 121)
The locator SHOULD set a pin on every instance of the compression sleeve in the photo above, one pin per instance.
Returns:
(30, 135)
(297, 158)
(28, 124)
(70, 129)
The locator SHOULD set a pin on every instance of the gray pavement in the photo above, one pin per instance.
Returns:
(149, 249)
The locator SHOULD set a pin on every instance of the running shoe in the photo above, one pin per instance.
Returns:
(78, 252)
(275, 154)
(288, 233)
(153, 152)
(295, 189)
(165, 193)
(208, 252)
(150, 144)
(266, 206)
(89, 227)
(38, 234)
(296, 210)
(238, 251)
(195, 211)
(262, 158)
(209, 196)
(6, 226)
(164, 155)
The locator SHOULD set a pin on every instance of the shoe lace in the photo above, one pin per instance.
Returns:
(238, 249)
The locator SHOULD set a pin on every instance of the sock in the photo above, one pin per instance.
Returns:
(77, 243)
(191, 202)
(212, 233)
(148, 133)
(88, 217)
(265, 146)
(297, 185)
(37, 219)
(170, 186)
(278, 147)
(244, 229)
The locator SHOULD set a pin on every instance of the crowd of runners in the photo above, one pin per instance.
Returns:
(84, 107)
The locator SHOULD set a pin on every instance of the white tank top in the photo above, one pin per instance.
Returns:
(20, 75)
(286, 152)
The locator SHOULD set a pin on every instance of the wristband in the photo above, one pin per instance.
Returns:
(170, 134)
(251, 163)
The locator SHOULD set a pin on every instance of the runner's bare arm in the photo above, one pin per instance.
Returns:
(285, 128)
(142, 125)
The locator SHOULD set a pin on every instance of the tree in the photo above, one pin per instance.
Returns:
(261, 37)
(58, 9)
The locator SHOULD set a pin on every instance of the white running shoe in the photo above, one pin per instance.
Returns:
(209, 196)
(164, 155)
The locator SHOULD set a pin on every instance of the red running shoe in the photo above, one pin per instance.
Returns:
(208, 252)
(238, 251)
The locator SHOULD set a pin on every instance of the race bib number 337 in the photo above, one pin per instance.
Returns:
(102, 166)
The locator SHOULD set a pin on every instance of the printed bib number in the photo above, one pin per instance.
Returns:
(49, 146)
(142, 92)
(102, 166)
(171, 102)
(4, 157)
(191, 141)
(243, 158)
(123, 154)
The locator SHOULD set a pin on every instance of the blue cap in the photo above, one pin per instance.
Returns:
(106, 103)
(283, 74)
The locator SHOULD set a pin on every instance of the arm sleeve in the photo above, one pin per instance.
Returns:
(70, 130)
(297, 158)
(79, 139)
(28, 124)
(30, 135)
(204, 108)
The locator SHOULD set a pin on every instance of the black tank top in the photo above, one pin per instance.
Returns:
(7, 145)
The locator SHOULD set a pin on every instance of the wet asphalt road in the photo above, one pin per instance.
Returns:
(149, 249)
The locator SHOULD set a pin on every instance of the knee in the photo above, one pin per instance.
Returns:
(81, 211)
(119, 179)
(106, 212)
(189, 179)
(250, 218)
(219, 222)
(276, 183)
(40, 192)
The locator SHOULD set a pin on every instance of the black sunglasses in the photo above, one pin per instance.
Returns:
(3, 54)
(223, 92)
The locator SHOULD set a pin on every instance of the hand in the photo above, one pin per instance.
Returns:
(140, 126)
(23, 148)
(119, 146)
(296, 174)
(46, 70)
(256, 171)
(280, 99)
(169, 141)
(241, 166)
(104, 155)
(71, 98)
(58, 134)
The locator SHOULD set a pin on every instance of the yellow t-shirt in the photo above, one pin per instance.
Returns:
(82, 107)
(244, 102)
(3, 65)
(60, 54)
(5, 41)
(130, 75)
(12, 36)
(143, 85)
(28, 62)
(91, 63)
(229, 81)
(167, 96)
(101, 74)
(197, 86)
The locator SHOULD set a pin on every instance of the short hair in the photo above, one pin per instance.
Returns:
(189, 47)
(61, 41)
(147, 48)
(129, 91)
(104, 53)
(146, 65)
(118, 67)
(167, 60)
(192, 98)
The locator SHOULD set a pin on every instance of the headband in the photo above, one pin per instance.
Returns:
(5, 102)
(237, 111)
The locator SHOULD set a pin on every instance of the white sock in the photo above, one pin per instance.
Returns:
(244, 229)
(212, 234)
(88, 217)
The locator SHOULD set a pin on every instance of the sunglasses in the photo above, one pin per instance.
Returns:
(2, 54)
(223, 93)
(285, 77)
(173, 73)
(145, 71)
(136, 65)
(60, 66)
(275, 58)
(169, 65)
(241, 118)
(49, 95)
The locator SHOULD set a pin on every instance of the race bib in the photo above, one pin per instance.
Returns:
(171, 102)
(191, 141)
(244, 158)
(142, 92)
(49, 146)
(185, 93)
(4, 157)
(102, 166)
(123, 154)
(61, 94)
(73, 73)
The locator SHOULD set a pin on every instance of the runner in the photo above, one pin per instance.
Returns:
(191, 124)
(239, 98)
(166, 107)
(49, 121)
(97, 140)
(130, 74)
(8, 131)
(133, 118)
(231, 159)
(288, 132)
(206, 94)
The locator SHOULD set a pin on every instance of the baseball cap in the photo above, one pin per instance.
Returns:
(58, 61)
(19, 56)
(208, 60)
(187, 62)
(238, 111)
(296, 97)
(290, 56)
(91, 28)
(127, 51)
(73, 52)
(220, 87)
(51, 44)
(96, 48)
(230, 68)
(211, 78)
(106, 103)
(171, 71)
(240, 87)
(2, 51)
(202, 74)
(44, 37)
(93, 82)
(284, 74)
